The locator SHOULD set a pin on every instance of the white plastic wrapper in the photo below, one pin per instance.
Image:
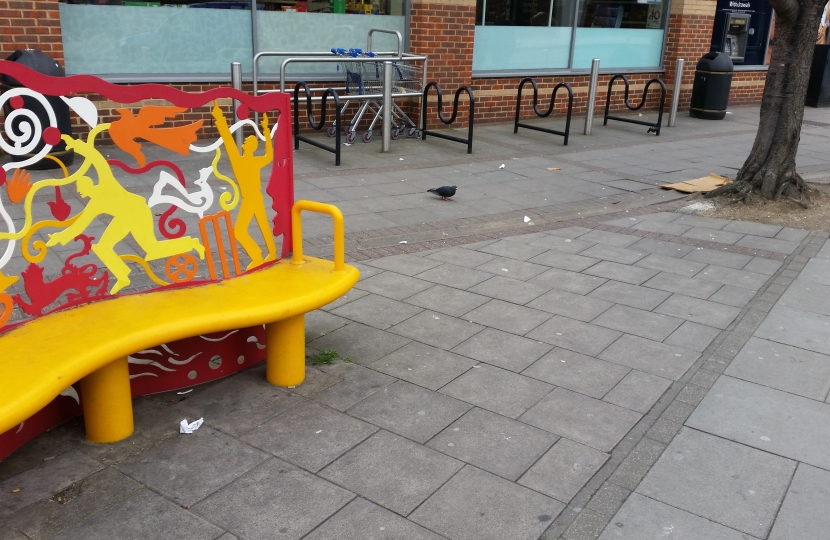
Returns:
(184, 427)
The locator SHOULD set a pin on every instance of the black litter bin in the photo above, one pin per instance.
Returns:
(41, 63)
(710, 92)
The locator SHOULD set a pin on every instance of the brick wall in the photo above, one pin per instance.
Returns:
(30, 24)
(747, 87)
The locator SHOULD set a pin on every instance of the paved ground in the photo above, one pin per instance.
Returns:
(613, 369)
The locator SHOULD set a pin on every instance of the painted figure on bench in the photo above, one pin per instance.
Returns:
(130, 215)
(247, 169)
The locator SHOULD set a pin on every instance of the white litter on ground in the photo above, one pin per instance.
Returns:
(699, 206)
(184, 427)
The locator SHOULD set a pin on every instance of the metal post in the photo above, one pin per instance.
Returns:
(236, 83)
(675, 94)
(592, 95)
(387, 106)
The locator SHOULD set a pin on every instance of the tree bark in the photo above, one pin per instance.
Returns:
(770, 167)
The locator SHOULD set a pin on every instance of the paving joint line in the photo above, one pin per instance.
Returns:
(564, 523)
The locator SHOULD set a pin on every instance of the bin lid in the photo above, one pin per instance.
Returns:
(35, 60)
(715, 61)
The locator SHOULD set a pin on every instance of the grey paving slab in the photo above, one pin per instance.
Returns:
(573, 282)
(570, 232)
(769, 244)
(693, 286)
(129, 519)
(447, 300)
(609, 238)
(786, 368)
(713, 235)
(630, 295)
(493, 508)
(816, 271)
(565, 244)
(363, 520)
(767, 419)
(502, 349)
(408, 265)
(671, 265)
(575, 335)
(494, 443)
(576, 306)
(237, 405)
(309, 435)
(424, 365)
(565, 261)
(719, 480)
(804, 512)
(522, 270)
(699, 311)
(700, 221)
(350, 296)
(638, 391)
(650, 225)
(658, 247)
(792, 235)
(659, 359)
(507, 317)
(760, 265)
(409, 410)
(437, 329)
(44, 480)
(733, 296)
(757, 229)
(377, 311)
(796, 327)
(172, 466)
(357, 383)
(582, 419)
(639, 322)
(451, 275)
(361, 343)
(509, 290)
(806, 295)
(731, 276)
(577, 372)
(319, 323)
(461, 256)
(692, 336)
(623, 222)
(497, 390)
(392, 471)
(719, 258)
(513, 249)
(393, 285)
(89, 496)
(621, 272)
(613, 254)
(273, 497)
(642, 518)
(564, 470)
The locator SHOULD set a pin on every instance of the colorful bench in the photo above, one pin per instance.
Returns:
(144, 301)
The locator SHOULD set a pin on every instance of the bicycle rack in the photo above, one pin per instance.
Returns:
(317, 127)
(540, 114)
(651, 127)
(424, 132)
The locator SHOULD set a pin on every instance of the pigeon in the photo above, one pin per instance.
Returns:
(445, 192)
(195, 203)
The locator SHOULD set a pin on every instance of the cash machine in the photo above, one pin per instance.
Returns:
(735, 36)
(741, 29)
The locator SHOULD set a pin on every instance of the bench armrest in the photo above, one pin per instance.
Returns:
(339, 231)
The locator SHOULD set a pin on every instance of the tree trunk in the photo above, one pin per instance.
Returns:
(770, 167)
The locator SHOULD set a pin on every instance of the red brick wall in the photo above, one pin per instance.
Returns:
(747, 87)
(688, 37)
(33, 25)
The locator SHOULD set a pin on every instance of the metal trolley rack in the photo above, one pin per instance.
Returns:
(373, 95)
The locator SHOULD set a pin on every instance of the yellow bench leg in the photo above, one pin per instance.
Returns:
(285, 351)
(108, 405)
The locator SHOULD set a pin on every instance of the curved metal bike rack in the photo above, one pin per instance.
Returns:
(651, 127)
(317, 126)
(424, 132)
(540, 114)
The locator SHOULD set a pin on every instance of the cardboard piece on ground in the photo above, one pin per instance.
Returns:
(702, 185)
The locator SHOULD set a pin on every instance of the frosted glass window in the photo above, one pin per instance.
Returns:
(514, 47)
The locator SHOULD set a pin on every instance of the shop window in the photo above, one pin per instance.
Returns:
(742, 29)
(523, 34)
(115, 37)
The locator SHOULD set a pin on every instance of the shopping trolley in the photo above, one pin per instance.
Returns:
(366, 78)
